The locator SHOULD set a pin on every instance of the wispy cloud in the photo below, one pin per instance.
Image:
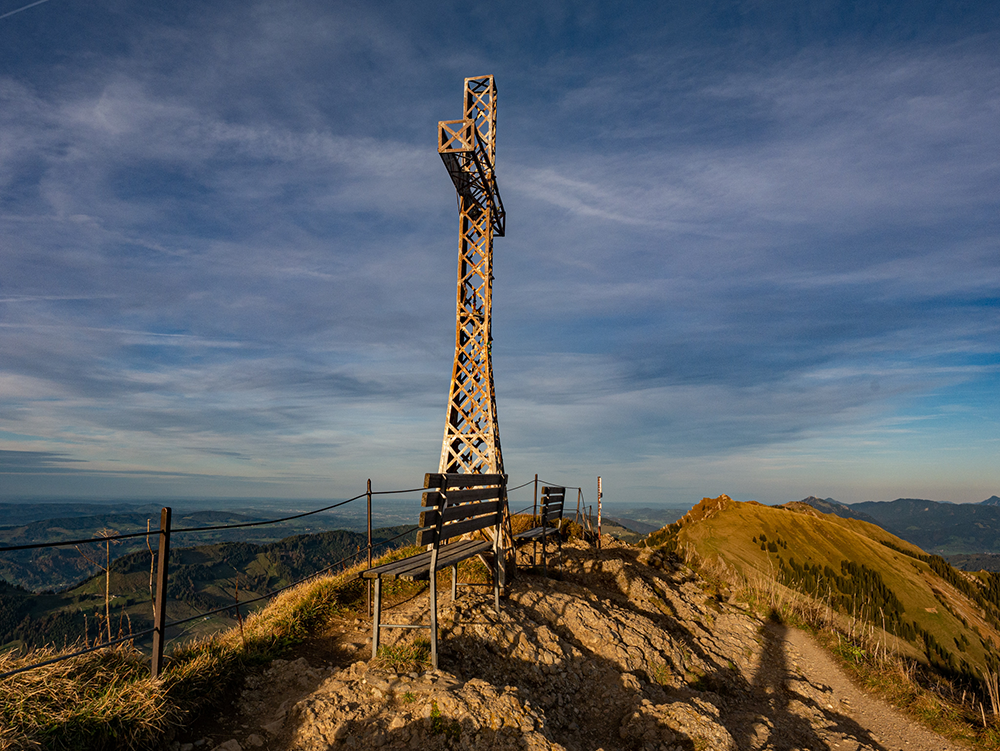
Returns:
(21, 9)
(229, 245)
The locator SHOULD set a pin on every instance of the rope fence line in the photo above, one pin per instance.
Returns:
(272, 593)
(268, 521)
(522, 485)
(64, 543)
(160, 624)
(197, 616)
(111, 538)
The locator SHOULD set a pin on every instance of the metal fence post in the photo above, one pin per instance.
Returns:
(369, 494)
(160, 603)
(600, 494)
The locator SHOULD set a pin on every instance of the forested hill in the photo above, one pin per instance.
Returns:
(942, 528)
(54, 569)
(201, 579)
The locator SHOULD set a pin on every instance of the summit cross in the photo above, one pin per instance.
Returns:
(468, 149)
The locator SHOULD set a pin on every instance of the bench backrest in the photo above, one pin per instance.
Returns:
(551, 505)
(458, 504)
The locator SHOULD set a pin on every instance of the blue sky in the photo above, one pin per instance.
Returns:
(752, 248)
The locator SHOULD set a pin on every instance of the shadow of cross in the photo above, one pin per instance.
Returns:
(788, 725)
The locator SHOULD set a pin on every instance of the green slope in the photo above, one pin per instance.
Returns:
(950, 617)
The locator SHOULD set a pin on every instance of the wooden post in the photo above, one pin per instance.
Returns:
(160, 603)
(579, 500)
(534, 514)
(369, 493)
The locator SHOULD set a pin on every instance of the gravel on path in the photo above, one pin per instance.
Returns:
(814, 673)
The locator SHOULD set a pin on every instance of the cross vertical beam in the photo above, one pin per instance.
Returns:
(468, 148)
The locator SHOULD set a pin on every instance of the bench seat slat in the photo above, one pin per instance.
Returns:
(531, 533)
(417, 567)
(391, 570)
(551, 507)
(446, 558)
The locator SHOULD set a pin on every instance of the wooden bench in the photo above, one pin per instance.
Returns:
(551, 506)
(457, 505)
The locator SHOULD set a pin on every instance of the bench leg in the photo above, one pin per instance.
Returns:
(434, 620)
(545, 558)
(376, 616)
(496, 582)
(454, 583)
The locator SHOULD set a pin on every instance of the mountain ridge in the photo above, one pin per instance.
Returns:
(940, 617)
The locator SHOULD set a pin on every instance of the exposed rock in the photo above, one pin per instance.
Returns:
(628, 649)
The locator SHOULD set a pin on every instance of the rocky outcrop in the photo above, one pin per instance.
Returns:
(627, 649)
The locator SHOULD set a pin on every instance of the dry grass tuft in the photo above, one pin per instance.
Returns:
(106, 699)
(403, 658)
(100, 700)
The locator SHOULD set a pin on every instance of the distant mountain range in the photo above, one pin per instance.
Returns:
(830, 506)
(934, 526)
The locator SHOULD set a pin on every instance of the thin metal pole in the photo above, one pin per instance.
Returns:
(160, 602)
(369, 494)
(534, 515)
(579, 500)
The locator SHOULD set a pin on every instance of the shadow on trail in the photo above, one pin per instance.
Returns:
(770, 686)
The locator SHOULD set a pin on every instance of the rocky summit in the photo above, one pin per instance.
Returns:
(623, 648)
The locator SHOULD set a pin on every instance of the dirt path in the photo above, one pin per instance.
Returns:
(813, 678)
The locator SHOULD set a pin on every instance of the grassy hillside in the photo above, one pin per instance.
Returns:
(949, 617)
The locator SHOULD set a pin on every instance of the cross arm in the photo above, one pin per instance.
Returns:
(467, 161)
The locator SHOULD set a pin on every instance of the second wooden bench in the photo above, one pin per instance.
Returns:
(551, 507)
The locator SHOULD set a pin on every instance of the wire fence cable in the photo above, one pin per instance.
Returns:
(156, 532)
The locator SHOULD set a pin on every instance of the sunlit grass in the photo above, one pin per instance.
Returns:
(106, 699)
